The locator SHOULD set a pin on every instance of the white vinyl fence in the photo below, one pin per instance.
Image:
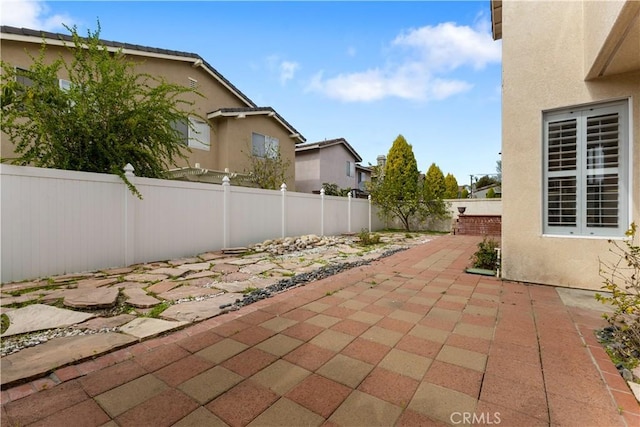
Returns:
(56, 222)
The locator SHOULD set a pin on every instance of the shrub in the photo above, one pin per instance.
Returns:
(622, 280)
(486, 256)
(367, 238)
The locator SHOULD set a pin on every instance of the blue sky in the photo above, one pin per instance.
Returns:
(364, 71)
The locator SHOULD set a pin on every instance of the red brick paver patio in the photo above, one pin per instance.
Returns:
(408, 340)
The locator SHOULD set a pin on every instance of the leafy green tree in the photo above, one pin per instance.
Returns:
(485, 181)
(491, 194)
(107, 117)
(400, 192)
(434, 184)
(451, 187)
(270, 171)
(464, 194)
(332, 189)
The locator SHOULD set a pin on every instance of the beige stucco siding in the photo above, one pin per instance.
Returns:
(235, 145)
(545, 57)
(308, 171)
(230, 138)
(334, 166)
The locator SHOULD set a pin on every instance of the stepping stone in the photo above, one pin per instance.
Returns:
(171, 272)
(40, 360)
(225, 268)
(209, 256)
(280, 272)
(235, 286)
(139, 298)
(154, 265)
(180, 261)
(161, 287)
(201, 274)
(21, 286)
(38, 317)
(235, 277)
(258, 268)
(99, 323)
(70, 277)
(195, 267)
(235, 251)
(203, 282)
(118, 271)
(187, 292)
(146, 277)
(8, 299)
(243, 261)
(91, 298)
(144, 327)
(96, 283)
(131, 285)
(199, 310)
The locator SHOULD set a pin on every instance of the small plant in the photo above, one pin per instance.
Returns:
(329, 293)
(248, 290)
(367, 238)
(486, 256)
(622, 280)
(158, 309)
(5, 323)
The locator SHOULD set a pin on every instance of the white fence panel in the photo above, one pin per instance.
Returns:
(359, 215)
(56, 222)
(255, 215)
(176, 219)
(335, 215)
(304, 214)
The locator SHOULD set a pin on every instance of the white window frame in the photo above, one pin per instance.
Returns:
(351, 169)
(264, 146)
(199, 134)
(582, 172)
(64, 85)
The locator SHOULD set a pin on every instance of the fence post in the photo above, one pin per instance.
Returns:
(283, 190)
(322, 211)
(349, 213)
(369, 199)
(226, 186)
(129, 217)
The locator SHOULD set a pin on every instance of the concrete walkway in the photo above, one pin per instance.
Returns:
(407, 340)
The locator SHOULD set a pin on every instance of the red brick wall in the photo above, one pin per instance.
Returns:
(479, 225)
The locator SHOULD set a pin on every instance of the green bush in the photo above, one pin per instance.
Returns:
(622, 280)
(486, 256)
(367, 238)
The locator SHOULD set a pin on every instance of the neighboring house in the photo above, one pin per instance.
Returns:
(331, 161)
(570, 136)
(237, 128)
(481, 193)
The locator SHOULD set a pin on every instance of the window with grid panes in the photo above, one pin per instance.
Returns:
(586, 170)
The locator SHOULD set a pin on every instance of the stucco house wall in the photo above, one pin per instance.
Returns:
(230, 135)
(308, 171)
(549, 52)
(326, 161)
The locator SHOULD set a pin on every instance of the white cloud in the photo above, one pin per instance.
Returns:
(448, 46)
(288, 70)
(426, 55)
(32, 14)
(285, 70)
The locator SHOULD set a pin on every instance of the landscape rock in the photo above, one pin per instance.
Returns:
(91, 298)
